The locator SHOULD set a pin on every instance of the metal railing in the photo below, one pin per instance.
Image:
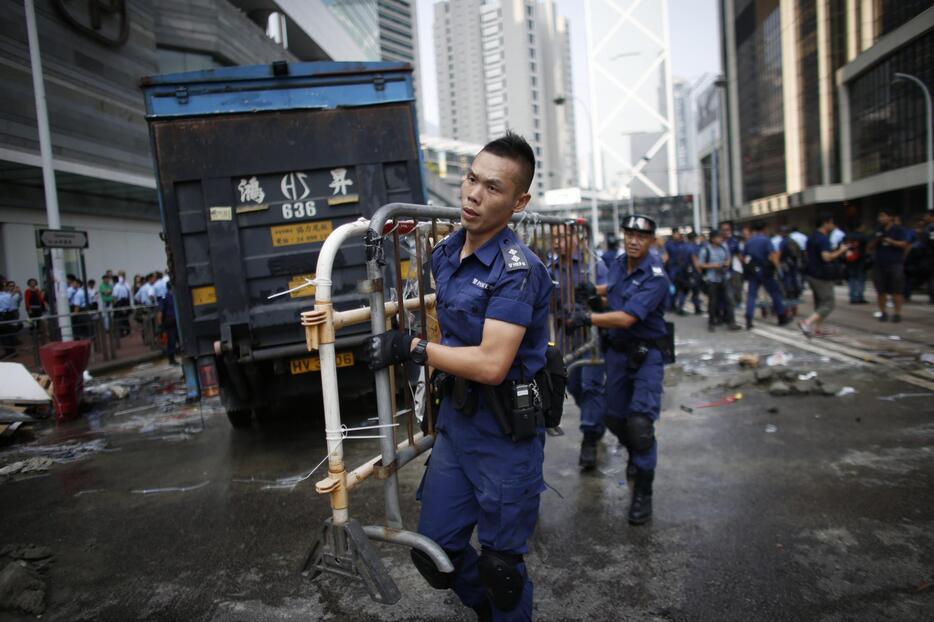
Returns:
(344, 546)
(114, 333)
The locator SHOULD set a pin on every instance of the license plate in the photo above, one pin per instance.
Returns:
(312, 363)
(301, 233)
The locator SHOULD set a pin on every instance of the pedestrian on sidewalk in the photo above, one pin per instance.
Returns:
(165, 319)
(889, 245)
(122, 297)
(856, 261)
(35, 301)
(791, 259)
(761, 266)
(823, 270)
(713, 262)
(106, 296)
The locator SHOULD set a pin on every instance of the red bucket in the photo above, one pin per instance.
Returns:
(64, 362)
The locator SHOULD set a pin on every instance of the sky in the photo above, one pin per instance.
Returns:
(694, 36)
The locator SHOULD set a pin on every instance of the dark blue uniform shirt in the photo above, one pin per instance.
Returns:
(483, 286)
(640, 293)
(818, 243)
(886, 254)
(758, 248)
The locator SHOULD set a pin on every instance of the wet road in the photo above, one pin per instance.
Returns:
(805, 507)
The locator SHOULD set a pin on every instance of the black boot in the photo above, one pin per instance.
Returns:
(748, 323)
(588, 457)
(640, 510)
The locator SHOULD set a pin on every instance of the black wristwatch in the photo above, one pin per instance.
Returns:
(420, 353)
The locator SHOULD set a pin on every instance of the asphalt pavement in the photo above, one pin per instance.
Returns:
(800, 507)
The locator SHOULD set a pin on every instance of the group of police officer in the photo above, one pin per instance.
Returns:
(493, 295)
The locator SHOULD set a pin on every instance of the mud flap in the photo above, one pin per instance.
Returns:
(346, 551)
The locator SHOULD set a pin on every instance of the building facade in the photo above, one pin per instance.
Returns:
(100, 140)
(523, 51)
(631, 97)
(816, 120)
(685, 135)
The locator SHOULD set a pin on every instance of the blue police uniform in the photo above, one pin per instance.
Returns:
(689, 250)
(758, 249)
(477, 476)
(585, 383)
(641, 294)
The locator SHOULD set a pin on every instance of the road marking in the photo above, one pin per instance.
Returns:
(844, 354)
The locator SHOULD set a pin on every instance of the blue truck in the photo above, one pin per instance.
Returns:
(255, 167)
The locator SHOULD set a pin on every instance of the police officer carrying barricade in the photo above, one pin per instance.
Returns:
(585, 382)
(639, 344)
(485, 470)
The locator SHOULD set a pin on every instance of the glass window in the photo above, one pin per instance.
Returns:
(887, 120)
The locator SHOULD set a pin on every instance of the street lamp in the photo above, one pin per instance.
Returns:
(594, 214)
(930, 135)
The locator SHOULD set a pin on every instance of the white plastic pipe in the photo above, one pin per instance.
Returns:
(329, 391)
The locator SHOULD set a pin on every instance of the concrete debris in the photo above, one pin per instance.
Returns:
(846, 391)
(779, 358)
(803, 387)
(738, 380)
(829, 389)
(779, 389)
(927, 357)
(771, 429)
(38, 464)
(119, 391)
(808, 376)
(764, 374)
(21, 589)
(749, 360)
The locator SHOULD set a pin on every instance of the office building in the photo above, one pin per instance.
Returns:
(816, 120)
(523, 50)
(685, 135)
(631, 97)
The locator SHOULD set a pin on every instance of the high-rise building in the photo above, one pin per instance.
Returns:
(631, 98)
(685, 135)
(816, 118)
(500, 65)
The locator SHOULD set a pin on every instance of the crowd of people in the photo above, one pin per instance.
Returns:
(113, 299)
(899, 260)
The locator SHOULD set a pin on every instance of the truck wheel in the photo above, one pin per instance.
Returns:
(240, 418)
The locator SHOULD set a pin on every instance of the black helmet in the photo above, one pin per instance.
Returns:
(611, 240)
(639, 222)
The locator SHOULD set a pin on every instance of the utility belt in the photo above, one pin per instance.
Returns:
(516, 405)
(637, 350)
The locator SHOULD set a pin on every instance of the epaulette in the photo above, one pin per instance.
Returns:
(514, 257)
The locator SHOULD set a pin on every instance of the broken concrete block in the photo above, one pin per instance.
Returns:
(829, 389)
(803, 387)
(749, 360)
(779, 389)
(119, 391)
(765, 374)
(738, 380)
(21, 589)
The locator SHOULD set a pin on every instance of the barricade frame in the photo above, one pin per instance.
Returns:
(343, 546)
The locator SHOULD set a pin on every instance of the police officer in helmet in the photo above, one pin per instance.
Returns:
(636, 292)
(485, 470)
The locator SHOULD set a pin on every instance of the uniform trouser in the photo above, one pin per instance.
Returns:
(587, 385)
(631, 392)
(476, 478)
(171, 336)
(771, 286)
(682, 297)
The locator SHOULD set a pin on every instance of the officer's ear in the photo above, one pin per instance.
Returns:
(521, 203)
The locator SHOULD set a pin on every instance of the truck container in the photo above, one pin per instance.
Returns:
(255, 167)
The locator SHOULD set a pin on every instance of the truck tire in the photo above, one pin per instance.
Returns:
(240, 419)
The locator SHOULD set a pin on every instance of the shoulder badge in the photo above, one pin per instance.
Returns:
(657, 271)
(514, 257)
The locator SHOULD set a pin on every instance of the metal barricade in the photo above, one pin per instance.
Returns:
(22, 338)
(343, 546)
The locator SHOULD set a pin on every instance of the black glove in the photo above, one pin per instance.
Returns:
(579, 319)
(586, 293)
(585, 290)
(389, 348)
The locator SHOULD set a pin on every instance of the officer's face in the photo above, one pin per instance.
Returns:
(565, 244)
(490, 193)
(637, 243)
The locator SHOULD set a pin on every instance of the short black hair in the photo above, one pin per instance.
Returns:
(514, 147)
(758, 225)
(822, 219)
